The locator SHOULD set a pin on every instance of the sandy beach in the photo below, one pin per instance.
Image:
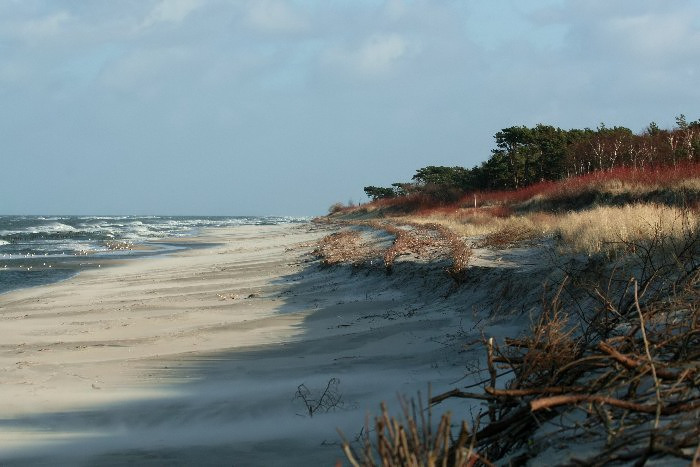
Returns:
(196, 357)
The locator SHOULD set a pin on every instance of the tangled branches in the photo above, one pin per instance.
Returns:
(631, 392)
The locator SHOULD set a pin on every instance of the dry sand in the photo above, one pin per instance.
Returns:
(196, 357)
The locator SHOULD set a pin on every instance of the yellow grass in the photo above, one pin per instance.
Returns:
(606, 228)
(601, 229)
(636, 188)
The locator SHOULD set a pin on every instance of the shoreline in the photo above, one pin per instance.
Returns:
(149, 249)
(37, 250)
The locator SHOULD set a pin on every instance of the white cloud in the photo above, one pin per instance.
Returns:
(146, 71)
(655, 36)
(43, 28)
(275, 16)
(377, 55)
(626, 30)
(12, 73)
(171, 11)
(395, 9)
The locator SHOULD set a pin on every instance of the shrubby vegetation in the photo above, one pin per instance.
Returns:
(525, 156)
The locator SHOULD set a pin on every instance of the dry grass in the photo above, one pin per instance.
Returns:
(411, 442)
(489, 231)
(598, 230)
(607, 229)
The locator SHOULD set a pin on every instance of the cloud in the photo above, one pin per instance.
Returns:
(662, 37)
(171, 11)
(39, 29)
(12, 73)
(375, 56)
(274, 16)
(647, 31)
(147, 71)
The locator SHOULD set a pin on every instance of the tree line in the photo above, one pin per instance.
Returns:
(524, 156)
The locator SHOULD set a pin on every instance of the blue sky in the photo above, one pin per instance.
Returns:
(285, 107)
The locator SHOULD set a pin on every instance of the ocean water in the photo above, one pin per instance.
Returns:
(37, 250)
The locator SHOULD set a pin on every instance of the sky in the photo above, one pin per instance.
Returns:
(270, 107)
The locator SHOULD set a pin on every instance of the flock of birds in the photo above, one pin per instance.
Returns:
(112, 245)
(44, 264)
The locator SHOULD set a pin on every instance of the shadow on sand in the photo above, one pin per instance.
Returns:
(379, 335)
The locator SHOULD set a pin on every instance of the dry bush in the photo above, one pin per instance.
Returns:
(509, 235)
(426, 240)
(460, 253)
(410, 441)
(405, 243)
(410, 239)
(639, 392)
(336, 208)
(344, 247)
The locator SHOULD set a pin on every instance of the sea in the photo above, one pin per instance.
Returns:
(39, 250)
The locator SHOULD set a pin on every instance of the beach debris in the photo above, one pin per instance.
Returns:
(230, 296)
(323, 401)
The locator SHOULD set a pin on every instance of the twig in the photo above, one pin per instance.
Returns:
(493, 374)
(458, 394)
(569, 399)
(632, 363)
(533, 391)
(657, 385)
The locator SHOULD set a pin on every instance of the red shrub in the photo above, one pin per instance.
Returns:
(663, 176)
